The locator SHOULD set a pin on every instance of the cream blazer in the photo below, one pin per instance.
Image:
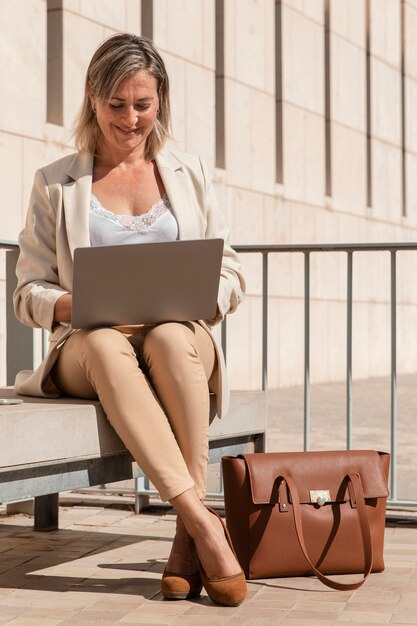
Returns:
(58, 222)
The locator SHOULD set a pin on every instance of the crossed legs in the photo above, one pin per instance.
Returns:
(161, 415)
(154, 388)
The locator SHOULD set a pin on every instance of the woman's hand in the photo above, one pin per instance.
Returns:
(62, 311)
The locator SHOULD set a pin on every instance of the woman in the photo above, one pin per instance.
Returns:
(125, 186)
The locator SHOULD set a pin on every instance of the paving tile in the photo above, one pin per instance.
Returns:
(407, 601)
(155, 618)
(364, 594)
(379, 607)
(328, 595)
(155, 613)
(151, 621)
(272, 603)
(33, 621)
(210, 609)
(277, 593)
(367, 617)
(405, 618)
(9, 613)
(51, 613)
(319, 616)
(100, 617)
(254, 621)
(292, 621)
(158, 608)
(77, 621)
(114, 602)
(249, 610)
(307, 605)
(209, 620)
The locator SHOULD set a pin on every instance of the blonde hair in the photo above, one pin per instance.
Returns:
(117, 58)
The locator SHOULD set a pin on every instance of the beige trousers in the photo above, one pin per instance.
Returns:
(153, 385)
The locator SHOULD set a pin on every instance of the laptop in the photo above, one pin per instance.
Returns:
(146, 283)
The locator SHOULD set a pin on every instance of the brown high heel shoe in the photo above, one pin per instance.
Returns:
(180, 586)
(177, 586)
(229, 590)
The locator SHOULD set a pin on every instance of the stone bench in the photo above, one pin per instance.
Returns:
(50, 446)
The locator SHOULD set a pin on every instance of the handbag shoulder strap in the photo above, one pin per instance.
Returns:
(356, 485)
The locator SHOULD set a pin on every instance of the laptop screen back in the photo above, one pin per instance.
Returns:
(146, 283)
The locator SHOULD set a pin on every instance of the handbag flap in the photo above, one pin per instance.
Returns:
(315, 471)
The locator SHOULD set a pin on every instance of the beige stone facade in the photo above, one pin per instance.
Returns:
(305, 112)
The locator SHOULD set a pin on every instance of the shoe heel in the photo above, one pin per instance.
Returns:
(227, 591)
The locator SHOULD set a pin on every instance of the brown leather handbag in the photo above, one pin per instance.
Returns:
(303, 513)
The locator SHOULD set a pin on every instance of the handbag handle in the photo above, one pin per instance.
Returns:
(355, 483)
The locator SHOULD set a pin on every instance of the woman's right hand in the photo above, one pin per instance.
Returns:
(63, 306)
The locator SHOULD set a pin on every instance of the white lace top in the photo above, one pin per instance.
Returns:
(108, 228)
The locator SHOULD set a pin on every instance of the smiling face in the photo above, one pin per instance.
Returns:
(127, 119)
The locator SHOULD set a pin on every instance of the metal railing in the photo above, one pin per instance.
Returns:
(19, 338)
(349, 250)
(20, 347)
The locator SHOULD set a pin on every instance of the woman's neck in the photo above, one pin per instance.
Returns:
(112, 159)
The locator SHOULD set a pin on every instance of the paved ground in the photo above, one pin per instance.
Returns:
(371, 415)
(103, 566)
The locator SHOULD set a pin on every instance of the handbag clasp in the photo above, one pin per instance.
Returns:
(320, 496)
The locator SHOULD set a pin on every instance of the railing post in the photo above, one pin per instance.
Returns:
(393, 376)
(306, 350)
(224, 337)
(349, 351)
(264, 321)
(19, 338)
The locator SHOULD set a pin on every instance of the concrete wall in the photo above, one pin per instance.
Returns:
(238, 68)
